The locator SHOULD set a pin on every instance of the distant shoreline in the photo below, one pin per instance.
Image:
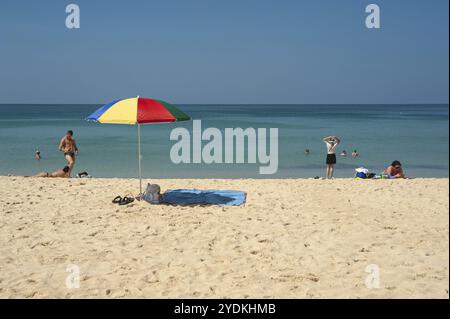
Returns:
(151, 179)
(381, 134)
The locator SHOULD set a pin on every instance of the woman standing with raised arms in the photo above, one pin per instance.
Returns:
(332, 142)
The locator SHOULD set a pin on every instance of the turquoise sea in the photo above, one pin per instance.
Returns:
(417, 135)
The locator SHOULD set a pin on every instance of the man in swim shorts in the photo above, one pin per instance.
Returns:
(70, 149)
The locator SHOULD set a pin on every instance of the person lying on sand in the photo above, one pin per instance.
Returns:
(395, 170)
(59, 173)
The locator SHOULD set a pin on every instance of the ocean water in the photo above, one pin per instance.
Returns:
(417, 135)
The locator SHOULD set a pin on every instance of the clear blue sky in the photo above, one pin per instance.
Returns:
(225, 51)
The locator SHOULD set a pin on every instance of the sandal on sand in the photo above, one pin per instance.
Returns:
(126, 200)
(117, 200)
(83, 175)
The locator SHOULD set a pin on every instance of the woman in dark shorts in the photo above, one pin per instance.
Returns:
(332, 142)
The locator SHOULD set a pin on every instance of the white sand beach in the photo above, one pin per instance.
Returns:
(294, 238)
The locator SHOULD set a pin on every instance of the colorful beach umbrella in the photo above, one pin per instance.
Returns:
(138, 111)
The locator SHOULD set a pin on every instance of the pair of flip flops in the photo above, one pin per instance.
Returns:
(83, 175)
(123, 200)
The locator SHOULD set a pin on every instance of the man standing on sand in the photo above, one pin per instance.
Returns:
(70, 149)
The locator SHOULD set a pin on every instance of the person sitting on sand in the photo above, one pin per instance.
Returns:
(395, 170)
(70, 149)
(343, 153)
(332, 142)
(355, 153)
(59, 173)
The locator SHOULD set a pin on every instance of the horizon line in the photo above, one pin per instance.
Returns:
(362, 104)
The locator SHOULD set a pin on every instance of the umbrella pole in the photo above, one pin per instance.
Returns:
(139, 158)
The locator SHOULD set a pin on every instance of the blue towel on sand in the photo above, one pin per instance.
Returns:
(204, 197)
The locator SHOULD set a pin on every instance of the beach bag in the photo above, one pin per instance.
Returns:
(152, 194)
(361, 172)
(361, 175)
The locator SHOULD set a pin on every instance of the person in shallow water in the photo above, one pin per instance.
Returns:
(59, 173)
(395, 170)
(70, 149)
(332, 142)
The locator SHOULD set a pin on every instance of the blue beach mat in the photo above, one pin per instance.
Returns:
(204, 197)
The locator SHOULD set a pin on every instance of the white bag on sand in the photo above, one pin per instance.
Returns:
(362, 170)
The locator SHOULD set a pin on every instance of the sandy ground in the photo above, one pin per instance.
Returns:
(293, 239)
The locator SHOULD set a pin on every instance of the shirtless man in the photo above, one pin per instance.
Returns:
(59, 173)
(70, 149)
